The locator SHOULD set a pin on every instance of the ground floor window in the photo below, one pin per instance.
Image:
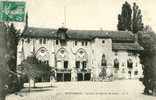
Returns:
(84, 63)
(116, 63)
(63, 77)
(77, 63)
(83, 76)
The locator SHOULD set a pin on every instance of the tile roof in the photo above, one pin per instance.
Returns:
(122, 40)
(127, 46)
(79, 34)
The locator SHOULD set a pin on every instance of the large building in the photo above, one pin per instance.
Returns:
(78, 55)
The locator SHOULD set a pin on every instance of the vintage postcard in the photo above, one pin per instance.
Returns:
(77, 50)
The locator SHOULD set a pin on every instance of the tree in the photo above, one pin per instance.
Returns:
(12, 38)
(33, 69)
(3, 61)
(124, 19)
(137, 24)
(147, 39)
(130, 19)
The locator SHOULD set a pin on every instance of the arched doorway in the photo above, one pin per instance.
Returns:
(81, 64)
(63, 72)
(42, 55)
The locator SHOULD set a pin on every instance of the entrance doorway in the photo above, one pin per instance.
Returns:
(60, 77)
(83, 76)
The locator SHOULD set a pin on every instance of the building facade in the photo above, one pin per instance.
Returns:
(83, 55)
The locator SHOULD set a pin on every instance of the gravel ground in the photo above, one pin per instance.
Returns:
(116, 90)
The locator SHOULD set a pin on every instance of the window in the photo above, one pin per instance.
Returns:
(40, 41)
(47, 62)
(129, 63)
(65, 64)
(129, 72)
(116, 63)
(115, 53)
(57, 42)
(28, 40)
(77, 64)
(136, 72)
(63, 42)
(82, 43)
(103, 41)
(123, 70)
(75, 43)
(136, 64)
(44, 41)
(103, 62)
(84, 63)
(86, 43)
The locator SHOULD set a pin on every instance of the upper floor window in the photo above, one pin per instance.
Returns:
(103, 41)
(75, 43)
(116, 63)
(82, 43)
(40, 41)
(136, 72)
(115, 53)
(57, 42)
(63, 42)
(44, 41)
(129, 63)
(28, 40)
(65, 64)
(86, 43)
(103, 62)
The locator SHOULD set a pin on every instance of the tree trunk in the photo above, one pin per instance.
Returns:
(34, 83)
(29, 84)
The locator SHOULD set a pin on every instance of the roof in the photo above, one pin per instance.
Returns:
(79, 34)
(122, 40)
(127, 46)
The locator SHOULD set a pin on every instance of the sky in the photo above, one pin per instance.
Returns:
(84, 14)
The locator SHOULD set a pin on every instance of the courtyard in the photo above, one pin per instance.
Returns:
(85, 90)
